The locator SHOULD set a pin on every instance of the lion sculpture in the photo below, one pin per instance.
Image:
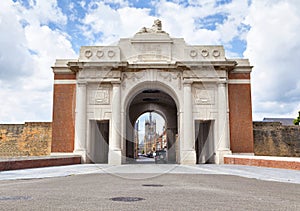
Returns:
(156, 28)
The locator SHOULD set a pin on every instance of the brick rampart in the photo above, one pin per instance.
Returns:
(275, 139)
(29, 139)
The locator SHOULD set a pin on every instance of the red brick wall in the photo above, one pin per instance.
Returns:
(64, 76)
(13, 164)
(239, 76)
(294, 165)
(63, 126)
(240, 115)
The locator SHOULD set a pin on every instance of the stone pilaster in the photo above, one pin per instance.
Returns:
(188, 153)
(80, 120)
(223, 142)
(114, 154)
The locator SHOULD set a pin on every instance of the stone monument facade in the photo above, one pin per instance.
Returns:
(204, 97)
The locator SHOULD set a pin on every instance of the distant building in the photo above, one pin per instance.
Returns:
(161, 141)
(150, 135)
(283, 121)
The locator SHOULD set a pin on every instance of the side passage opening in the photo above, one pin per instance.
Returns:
(99, 144)
(204, 143)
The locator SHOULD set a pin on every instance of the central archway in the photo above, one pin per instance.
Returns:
(152, 99)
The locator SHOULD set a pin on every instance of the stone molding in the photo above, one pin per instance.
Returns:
(65, 81)
(239, 81)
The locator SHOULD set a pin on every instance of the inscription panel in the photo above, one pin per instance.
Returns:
(99, 97)
(204, 96)
(144, 52)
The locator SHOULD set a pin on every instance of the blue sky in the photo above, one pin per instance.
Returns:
(36, 32)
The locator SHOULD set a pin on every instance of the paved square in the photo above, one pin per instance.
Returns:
(160, 187)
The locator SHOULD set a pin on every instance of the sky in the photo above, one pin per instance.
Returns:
(33, 33)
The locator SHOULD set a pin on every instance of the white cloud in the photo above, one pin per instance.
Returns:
(13, 51)
(274, 50)
(100, 18)
(112, 24)
(180, 20)
(237, 11)
(103, 24)
(29, 51)
(42, 12)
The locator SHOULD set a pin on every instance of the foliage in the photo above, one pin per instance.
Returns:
(297, 120)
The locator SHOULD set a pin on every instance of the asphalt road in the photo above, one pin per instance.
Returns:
(160, 192)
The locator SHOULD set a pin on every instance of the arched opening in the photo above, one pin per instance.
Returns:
(152, 102)
(150, 137)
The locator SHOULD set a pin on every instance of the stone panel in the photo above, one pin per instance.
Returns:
(101, 96)
(204, 96)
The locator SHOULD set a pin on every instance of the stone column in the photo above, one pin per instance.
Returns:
(188, 155)
(114, 155)
(223, 142)
(171, 140)
(80, 120)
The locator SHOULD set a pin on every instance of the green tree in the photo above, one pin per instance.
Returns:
(297, 120)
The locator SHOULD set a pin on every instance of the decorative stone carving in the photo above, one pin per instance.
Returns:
(131, 77)
(200, 73)
(193, 53)
(169, 76)
(156, 28)
(101, 73)
(204, 53)
(113, 74)
(111, 53)
(100, 54)
(88, 54)
(216, 53)
(204, 96)
(99, 97)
